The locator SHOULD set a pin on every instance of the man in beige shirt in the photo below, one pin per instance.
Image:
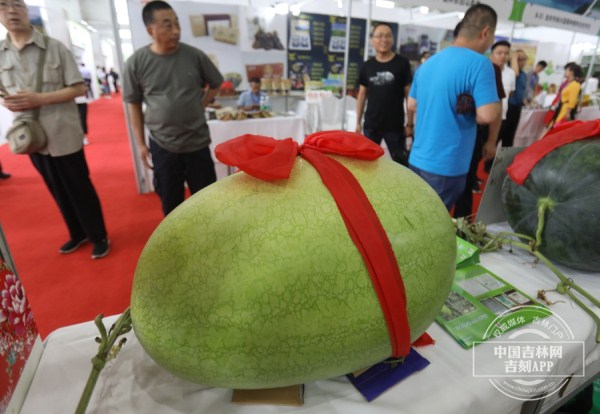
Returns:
(62, 163)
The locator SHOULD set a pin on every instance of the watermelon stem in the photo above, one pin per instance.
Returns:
(566, 285)
(477, 234)
(106, 351)
(545, 204)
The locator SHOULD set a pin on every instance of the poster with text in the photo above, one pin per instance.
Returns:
(316, 49)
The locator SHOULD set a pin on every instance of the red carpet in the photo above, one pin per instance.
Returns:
(68, 289)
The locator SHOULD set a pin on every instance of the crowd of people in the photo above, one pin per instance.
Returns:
(459, 103)
(178, 150)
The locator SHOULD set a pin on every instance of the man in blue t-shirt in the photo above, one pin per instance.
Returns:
(452, 92)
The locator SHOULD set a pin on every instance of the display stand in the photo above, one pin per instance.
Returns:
(489, 211)
(292, 395)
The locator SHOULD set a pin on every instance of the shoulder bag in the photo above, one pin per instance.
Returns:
(26, 134)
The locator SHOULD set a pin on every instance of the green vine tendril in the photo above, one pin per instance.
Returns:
(106, 350)
(477, 234)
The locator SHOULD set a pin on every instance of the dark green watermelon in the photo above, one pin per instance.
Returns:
(568, 177)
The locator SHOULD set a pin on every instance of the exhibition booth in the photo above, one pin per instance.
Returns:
(308, 55)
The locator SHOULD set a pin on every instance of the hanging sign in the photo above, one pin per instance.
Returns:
(544, 16)
(502, 7)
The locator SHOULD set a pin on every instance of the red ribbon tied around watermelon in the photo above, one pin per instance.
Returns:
(270, 159)
(564, 134)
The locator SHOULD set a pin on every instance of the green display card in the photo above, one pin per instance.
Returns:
(477, 297)
(467, 254)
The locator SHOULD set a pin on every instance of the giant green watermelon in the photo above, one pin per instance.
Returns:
(254, 284)
(567, 182)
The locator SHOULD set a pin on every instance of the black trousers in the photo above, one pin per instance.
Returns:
(172, 170)
(464, 204)
(510, 125)
(83, 110)
(68, 179)
(395, 141)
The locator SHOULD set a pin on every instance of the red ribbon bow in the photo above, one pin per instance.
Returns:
(270, 159)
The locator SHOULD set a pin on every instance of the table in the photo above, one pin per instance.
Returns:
(133, 383)
(531, 123)
(277, 127)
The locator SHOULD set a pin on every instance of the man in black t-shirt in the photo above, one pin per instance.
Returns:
(384, 83)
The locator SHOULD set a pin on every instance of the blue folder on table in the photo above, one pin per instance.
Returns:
(381, 377)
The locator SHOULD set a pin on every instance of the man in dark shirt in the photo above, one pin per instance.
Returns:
(516, 100)
(384, 82)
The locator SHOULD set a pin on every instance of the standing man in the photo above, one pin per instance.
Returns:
(485, 133)
(169, 77)
(82, 101)
(114, 76)
(516, 100)
(533, 78)
(500, 56)
(87, 78)
(452, 92)
(62, 163)
(384, 82)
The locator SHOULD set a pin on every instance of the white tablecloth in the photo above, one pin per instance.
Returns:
(531, 123)
(276, 127)
(133, 383)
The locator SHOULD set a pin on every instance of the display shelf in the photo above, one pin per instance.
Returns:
(279, 102)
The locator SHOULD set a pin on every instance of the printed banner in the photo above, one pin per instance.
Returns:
(570, 6)
(543, 16)
(316, 46)
(502, 7)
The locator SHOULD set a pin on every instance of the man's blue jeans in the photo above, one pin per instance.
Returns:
(448, 188)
